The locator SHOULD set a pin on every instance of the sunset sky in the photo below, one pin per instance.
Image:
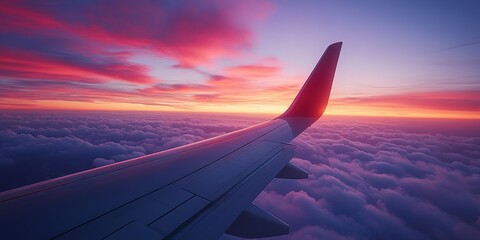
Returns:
(409, 58)
(396, 157)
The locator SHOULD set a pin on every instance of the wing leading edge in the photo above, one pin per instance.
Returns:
(197, 191)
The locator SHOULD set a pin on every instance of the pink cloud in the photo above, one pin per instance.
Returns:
(264, 68)
(193, 32)
(95, 42)
(25, 65)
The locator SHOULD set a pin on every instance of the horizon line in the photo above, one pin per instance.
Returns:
(240, 113)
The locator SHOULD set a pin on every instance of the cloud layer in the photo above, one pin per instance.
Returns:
(369, 178)
(374, 180)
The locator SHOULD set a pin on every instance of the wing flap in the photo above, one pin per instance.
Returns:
(143, 211)
(255, 222)
(168, 223)
(291, 171)
(133, 230)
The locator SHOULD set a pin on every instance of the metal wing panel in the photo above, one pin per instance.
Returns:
(217, 217)
(213, 181)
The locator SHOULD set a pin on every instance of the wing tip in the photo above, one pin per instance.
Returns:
(339, 43)
(312, 99)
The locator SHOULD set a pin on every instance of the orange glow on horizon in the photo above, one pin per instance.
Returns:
(334, 108)
(401, 112)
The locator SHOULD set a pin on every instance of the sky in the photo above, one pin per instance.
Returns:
(369, 177)
(403, 59)
(145, 72)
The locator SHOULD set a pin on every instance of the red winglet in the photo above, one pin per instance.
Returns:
(312, 99)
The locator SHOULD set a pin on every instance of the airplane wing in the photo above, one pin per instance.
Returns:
(196, 191)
